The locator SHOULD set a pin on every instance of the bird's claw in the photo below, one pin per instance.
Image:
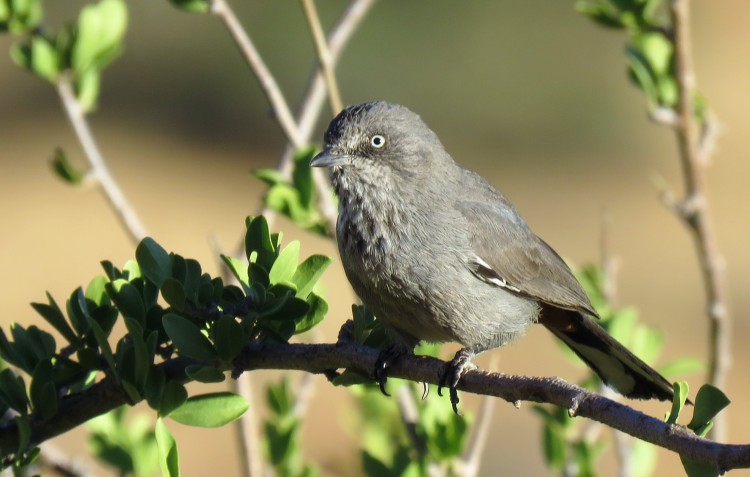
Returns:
(452, 375)
(385, 360)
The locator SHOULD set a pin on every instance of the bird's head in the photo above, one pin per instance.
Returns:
(377, 140)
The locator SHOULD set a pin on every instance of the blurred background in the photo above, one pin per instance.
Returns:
(530, 94)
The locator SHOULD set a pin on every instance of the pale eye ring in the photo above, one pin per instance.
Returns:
(377, 141)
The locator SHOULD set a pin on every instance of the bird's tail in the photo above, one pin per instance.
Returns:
(616, 365)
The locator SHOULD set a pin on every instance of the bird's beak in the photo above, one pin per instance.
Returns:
(327, 158)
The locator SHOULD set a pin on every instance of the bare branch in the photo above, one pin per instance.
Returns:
(321, 358)
(246, 429)
(99, 170)
(324, 56)
(270, 87)
(695, 210)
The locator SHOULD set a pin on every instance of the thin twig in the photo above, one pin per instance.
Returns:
(321, 358)
(99, 169)
(695, 211)
(312, 103)
(472, 458)
(270, 87)
(324, 56)
(246, 429)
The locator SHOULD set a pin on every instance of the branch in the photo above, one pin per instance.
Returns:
(99, 169)
(694, 209)
(270, 87)
(322, 358)
(324, 56)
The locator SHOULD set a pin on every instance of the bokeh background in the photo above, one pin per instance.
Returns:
(528, 93)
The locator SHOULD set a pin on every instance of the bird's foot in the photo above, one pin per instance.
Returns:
(386, 359)
(452, 374)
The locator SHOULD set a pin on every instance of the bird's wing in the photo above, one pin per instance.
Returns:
(508, 254)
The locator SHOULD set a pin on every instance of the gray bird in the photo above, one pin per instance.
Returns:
(438, 254)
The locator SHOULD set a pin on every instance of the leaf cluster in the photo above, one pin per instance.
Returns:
(80, 50)
(649, 51)
(295, 198)
(170, 309)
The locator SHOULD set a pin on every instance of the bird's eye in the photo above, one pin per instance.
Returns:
(377, 141)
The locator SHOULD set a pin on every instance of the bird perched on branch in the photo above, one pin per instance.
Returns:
(438, 254)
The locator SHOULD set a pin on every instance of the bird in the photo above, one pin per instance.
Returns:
(440, 255)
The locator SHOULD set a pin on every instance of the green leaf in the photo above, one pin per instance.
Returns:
(269, 175)
(280, 398)
(681, 390)
(168, 458)
(101, 28)
(154, 389)
(258, 275)
(192, 6)
(173, 396)
(54, 316)
(24, 433)
(229, 338)
(238, 269)
(205, 374)
(708, 403)
(23, 16)
(13, 391)
(42, 391)
(210, 410)
(96, 291)
(20, 53)
(154, 261)
(101, 340)
(258, 245)
(286, 264)
(87, 86)
(143, 355)
(317, 309)
(173, 293)
(641, 74)
(302, 178)
(44, 60)
(309, 272)
(128, 300)
(657, 49)
(601, 12)
(187, 338)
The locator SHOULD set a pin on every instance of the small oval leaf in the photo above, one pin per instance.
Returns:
(210, 410)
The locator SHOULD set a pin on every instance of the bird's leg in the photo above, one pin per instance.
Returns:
(387, 357)
(452, 374)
